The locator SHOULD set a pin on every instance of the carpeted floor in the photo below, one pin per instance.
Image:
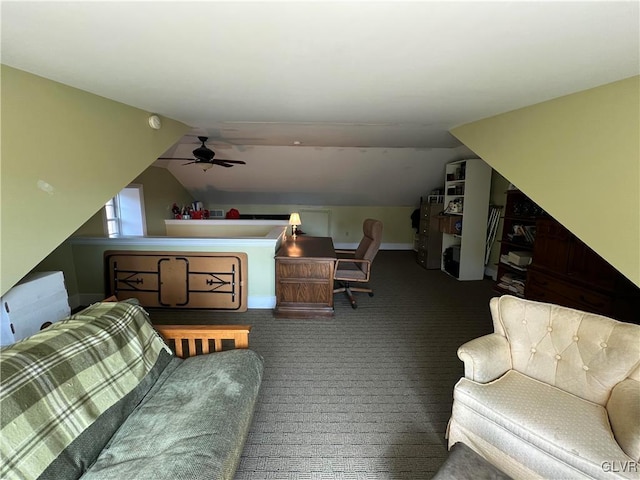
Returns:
(366, 394)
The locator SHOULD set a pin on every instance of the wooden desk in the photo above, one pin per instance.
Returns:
(304, 278)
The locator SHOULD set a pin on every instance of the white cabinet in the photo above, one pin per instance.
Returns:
(37, 301)
(467, 189)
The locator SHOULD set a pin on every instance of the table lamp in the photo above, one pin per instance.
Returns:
(294, 221)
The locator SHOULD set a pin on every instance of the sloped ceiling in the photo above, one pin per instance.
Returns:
(318, 175)
(361, 76)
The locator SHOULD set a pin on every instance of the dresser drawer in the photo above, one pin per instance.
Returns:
(547, 288)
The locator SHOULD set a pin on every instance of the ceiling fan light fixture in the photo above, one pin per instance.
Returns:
(204, 157)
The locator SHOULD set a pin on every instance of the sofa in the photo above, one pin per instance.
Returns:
(100, 395)
(553, 393)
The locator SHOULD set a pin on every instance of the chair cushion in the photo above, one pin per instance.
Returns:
(567, 427)
(370, 243)
(346, 273)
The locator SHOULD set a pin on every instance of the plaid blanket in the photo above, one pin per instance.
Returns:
(57, 383)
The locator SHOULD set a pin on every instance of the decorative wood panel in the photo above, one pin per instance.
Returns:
(179, 279)
(567, 272)
(306, 270)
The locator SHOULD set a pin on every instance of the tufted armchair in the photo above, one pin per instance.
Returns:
(552, 393)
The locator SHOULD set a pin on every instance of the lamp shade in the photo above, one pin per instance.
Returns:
(294, 219)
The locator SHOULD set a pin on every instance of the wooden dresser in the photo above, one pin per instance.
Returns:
(567, 272)
(429, 236)
(304, 277)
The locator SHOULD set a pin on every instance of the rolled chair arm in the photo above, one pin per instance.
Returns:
(485, 358)
(623, 408)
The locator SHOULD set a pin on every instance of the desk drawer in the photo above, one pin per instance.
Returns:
(304, 270)
(304, 293)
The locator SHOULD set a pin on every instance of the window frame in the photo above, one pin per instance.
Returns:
(113, 224)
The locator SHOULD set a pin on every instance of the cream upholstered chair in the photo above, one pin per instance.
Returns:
(553, 393)
(355, 266)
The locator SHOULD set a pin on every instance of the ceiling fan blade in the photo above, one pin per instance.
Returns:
(222, 163)
(189, 163)
(173, 158)
(239, 162)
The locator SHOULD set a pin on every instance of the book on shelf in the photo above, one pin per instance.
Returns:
(512, 283)
(523, 234)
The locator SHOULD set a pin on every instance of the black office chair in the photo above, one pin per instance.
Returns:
(354, 266)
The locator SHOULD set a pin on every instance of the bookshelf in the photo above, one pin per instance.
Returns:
(516, 244)
(467, 187)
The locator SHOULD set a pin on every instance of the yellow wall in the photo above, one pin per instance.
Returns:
(160, 189)
(578, 157)
(345, 222)
(65, 152)
(203, 228)
(89, 261)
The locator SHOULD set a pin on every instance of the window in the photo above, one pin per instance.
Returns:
(112, 218)
(124, 213)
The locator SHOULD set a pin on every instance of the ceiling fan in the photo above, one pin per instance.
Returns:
(204, 157)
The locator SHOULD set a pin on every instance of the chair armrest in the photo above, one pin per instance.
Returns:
(345, 251)
(354, 260)
(623, 408)
(177, 335)
(485, 358)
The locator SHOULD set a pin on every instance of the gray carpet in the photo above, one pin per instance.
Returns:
(368, 393)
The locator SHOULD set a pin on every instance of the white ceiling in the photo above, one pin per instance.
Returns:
(368, 77)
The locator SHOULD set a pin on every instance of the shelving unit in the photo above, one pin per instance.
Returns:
(467, 184)
(518, 234)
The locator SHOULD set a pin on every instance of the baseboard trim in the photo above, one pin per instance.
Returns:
(261, 301)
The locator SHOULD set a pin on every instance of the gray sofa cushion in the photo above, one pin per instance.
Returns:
(81, 453)
(192, 425)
